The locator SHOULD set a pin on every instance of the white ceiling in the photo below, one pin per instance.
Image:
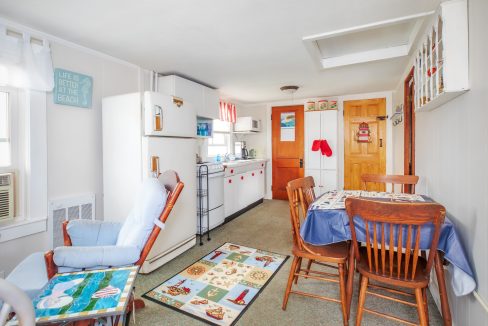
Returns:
(246, 48)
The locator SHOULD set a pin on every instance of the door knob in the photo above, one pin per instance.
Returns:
(301, 163)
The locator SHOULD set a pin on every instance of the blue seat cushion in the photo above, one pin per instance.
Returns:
(93, 232)
(89, 257)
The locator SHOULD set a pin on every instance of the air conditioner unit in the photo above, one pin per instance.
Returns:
(6, 195)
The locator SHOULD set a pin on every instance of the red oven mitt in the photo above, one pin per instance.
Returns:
(325, 148)
(316, 145)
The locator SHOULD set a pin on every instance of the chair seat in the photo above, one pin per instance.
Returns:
(421, 277)
(333, 253)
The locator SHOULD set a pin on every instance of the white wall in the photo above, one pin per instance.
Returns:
(255, 141)
(451, 160)
(74, 138)
(75, 134)
(397, 134)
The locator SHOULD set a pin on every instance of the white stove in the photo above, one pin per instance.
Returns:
(213, 199)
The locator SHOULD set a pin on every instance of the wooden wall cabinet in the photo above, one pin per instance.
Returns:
(441, 61)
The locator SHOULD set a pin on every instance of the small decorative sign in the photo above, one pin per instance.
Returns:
(364, 134)
(72, 88)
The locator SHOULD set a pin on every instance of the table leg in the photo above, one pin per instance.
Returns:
(441, 281)
(350, 279)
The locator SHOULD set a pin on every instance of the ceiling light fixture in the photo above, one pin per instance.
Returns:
(290, 89)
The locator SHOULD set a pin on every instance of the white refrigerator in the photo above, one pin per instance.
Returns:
(144, 133)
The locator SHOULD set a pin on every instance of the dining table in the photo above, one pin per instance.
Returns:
(327, 222)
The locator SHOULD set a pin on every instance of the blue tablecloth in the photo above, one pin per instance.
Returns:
(326, 226)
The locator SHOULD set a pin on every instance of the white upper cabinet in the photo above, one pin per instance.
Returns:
(204, 99)
(211, 105)
(441, 61)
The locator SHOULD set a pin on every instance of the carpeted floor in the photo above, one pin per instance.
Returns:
(267, 227)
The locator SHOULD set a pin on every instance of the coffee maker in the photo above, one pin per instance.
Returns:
(244, 151)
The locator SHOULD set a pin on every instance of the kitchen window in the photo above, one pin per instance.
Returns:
(5, 130)
(219, 143)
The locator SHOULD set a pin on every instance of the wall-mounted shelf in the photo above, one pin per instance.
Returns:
(204, 127)
(441, 61)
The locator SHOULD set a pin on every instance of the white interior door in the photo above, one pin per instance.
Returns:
(312, 132)
(329, 133)
(315, 174)
(328, 180)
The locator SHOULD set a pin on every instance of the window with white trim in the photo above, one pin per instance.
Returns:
(5, 130)
(219, 143)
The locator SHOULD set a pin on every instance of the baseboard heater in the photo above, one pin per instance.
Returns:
(151, 264)
(242, 211)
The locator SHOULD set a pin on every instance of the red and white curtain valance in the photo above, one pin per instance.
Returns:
(228, 112)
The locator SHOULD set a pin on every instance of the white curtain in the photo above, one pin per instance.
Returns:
(23, 64)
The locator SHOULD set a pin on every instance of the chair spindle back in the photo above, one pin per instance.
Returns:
(397, 218)
(402, 180)
(300, 195)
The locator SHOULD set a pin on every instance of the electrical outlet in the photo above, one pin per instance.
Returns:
(2, 274)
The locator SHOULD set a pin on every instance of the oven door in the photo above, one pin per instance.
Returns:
(215, 190)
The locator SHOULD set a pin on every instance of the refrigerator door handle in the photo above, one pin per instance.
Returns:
(155, 166)
(158, 118)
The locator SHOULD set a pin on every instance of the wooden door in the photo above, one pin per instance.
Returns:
(368, 157)
(288, 149)
(409, 128)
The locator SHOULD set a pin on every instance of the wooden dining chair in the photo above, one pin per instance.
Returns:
(300, 196)
(407, 182)
(394, 262)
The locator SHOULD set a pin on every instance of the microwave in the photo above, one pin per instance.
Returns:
(247, 124)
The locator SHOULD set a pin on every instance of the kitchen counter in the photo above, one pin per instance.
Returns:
(237, 163)
(244, 186)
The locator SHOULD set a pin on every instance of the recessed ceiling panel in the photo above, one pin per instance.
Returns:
(372, 42)
(367, 40)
